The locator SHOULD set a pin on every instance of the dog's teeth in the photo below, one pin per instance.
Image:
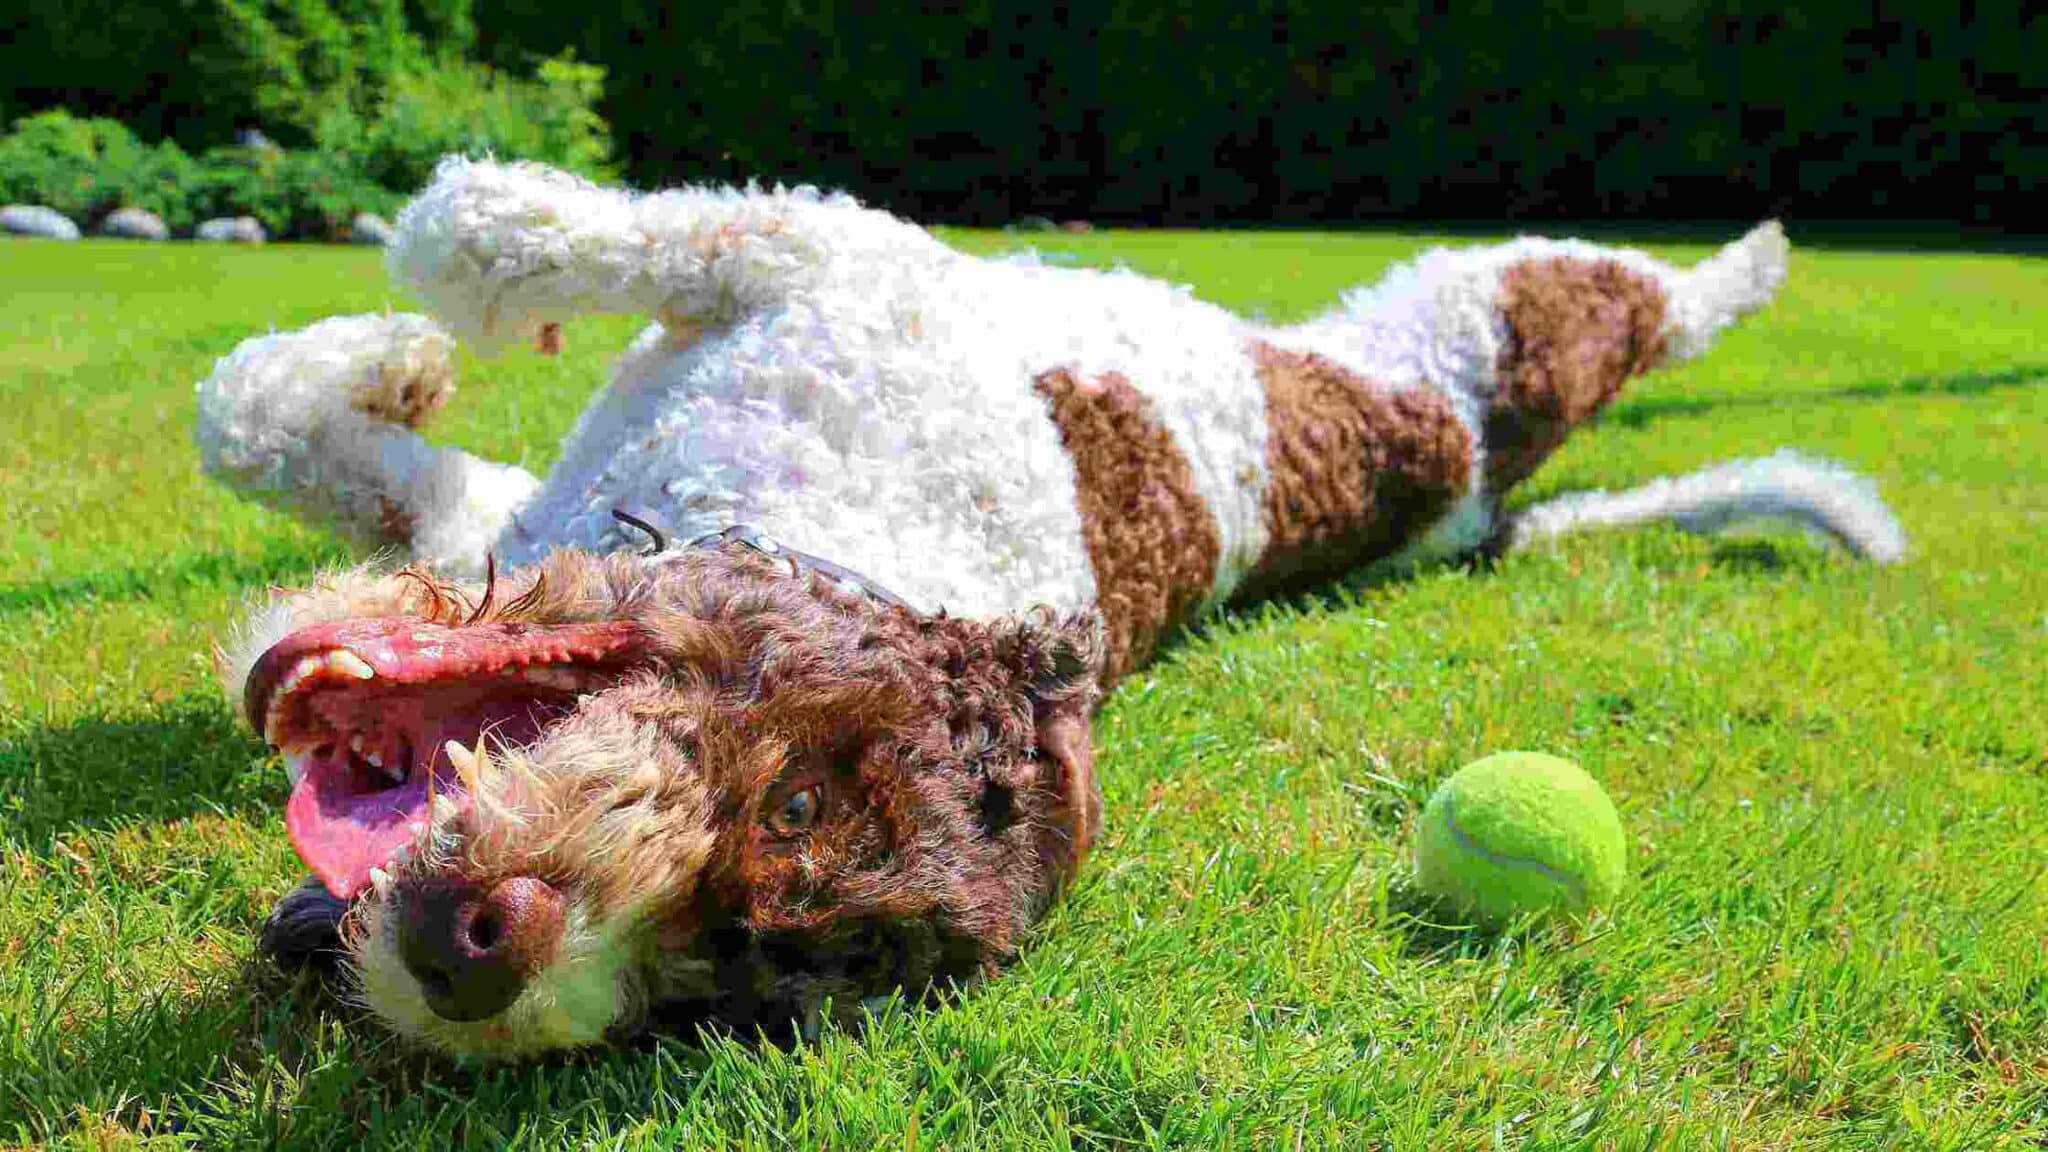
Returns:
(349, 664)
(381, 881)
(306, 666)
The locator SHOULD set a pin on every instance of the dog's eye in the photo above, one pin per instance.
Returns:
(798, 812)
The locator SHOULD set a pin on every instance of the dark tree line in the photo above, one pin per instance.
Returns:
(1253, 110)
(1202, 112)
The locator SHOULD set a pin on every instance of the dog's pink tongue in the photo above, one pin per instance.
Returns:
(341, 833)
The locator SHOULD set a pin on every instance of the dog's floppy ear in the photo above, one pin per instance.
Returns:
(1059, 661)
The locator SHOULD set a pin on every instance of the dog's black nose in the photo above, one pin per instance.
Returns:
(473, 949)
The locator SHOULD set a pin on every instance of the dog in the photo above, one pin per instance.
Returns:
(561, 781)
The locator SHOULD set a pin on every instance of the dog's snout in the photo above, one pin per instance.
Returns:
(473, 949)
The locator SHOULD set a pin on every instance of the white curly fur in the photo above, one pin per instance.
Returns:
(838, 378)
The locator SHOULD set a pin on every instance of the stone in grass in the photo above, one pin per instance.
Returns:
(369, 228)
(134, 224)
(230, 230)
(36, 220)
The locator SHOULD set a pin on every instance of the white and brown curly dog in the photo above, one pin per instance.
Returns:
(613, 787)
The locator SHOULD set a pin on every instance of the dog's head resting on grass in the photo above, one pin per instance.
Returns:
(708, 784)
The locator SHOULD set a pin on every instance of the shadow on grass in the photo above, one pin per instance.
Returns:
(278, 562)
(1642, 411)
(283, 1060)
(1933, 237)
(185, 757)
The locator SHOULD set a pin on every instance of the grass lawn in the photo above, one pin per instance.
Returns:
(1834, 778)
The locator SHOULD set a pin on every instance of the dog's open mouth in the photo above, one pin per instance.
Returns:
(364, 712)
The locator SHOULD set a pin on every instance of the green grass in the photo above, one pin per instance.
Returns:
(1833, 777)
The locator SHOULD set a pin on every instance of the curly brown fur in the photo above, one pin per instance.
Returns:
(1151, 541)
(948, 759)
(1578, 330)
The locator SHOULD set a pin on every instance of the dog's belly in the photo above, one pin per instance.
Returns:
(911, 435)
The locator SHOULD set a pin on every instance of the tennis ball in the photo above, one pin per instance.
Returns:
(1518, 833)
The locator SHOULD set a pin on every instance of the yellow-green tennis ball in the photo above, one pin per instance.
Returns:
(1519, 833)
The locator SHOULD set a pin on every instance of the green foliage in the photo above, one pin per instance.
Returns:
(1271, 110)
(1831, 775)
(87, 168)
(296, 194)
(382, 87)
(300, 58)
(197, 70)
(458, 106)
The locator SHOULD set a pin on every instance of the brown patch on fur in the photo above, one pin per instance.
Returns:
(548, 340)
(410, 402)
(1354, 469)
(1577, 330)
(1151, 540)
(395, 523)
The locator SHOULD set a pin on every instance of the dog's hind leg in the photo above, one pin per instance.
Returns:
(508, 252)
(1578, 327)
(320, 420)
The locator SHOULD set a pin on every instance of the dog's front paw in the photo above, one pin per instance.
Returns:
(304, 930)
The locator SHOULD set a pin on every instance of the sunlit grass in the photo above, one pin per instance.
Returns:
(1833, 776)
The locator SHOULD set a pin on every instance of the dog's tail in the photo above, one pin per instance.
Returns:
(508, 252)
(319, 420)
(1820, 496)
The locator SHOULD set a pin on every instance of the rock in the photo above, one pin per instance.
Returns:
(369, 228)
(254, 140)
(36, 220)
(230, 230)
(134, 224)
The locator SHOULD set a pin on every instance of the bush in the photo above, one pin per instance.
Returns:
(298, 195)
(87, 168)
(459, 106)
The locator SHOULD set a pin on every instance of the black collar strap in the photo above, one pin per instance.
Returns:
(754, 540)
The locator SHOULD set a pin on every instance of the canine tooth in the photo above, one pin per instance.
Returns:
(300, 671)
(469, 766)
(349, 664)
